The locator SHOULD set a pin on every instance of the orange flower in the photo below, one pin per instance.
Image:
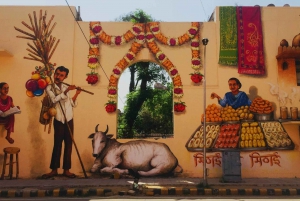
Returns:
(195, 53)
(113, 80)
(195, 24)
(177, 80)
(129, 36)
(92, 33)
(94, 51)
(93, 23)
(168, 64)
(122, 63)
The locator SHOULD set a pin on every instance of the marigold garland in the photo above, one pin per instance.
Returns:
(166, 63)
(125, 61)
(190, 34)
(137, 32)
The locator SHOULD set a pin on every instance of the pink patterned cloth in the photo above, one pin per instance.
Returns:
(250, 41)
(8, 121)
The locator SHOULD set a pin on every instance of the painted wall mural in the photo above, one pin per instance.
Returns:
(249, 128)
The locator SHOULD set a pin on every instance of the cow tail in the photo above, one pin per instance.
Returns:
(179, 169)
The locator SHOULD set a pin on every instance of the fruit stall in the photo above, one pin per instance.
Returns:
(247, 128)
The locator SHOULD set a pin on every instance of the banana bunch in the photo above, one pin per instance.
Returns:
(251, 136)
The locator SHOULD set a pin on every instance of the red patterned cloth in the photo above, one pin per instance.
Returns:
(250, 41)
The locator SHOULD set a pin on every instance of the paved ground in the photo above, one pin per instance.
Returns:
(106, 186)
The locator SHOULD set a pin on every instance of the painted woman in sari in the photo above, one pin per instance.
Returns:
(235, 98)
(6, 102)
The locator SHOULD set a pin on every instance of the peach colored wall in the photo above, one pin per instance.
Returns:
(36, 145)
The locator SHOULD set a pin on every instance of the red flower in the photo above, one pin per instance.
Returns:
(178, 91)
(174, 72)
(110, 106)
(112, 91)
(94, 41)
(149, 36)
(161, 57)
(92, 78)
(116, 71)
(118, 40)
(93, 60)
(140, 37)
(172, 42)
(196, 77)
(179, 106)
(129, 56)
(136, 30)
(97, 29)
(196, 62)
(155, 29)
(195, 44)
(192, 31)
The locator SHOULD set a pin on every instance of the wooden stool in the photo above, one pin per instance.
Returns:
(10, 151)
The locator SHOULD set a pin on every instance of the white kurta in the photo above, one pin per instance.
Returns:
(66, 102)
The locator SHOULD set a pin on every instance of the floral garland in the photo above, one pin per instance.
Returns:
(165, 61)
(191, 35)
(124, 62)
(137, 32)
(154, 28)
(97, 34)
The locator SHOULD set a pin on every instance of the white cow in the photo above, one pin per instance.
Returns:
(140, 156)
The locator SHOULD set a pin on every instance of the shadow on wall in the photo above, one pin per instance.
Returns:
(253, 93)
(37, 144)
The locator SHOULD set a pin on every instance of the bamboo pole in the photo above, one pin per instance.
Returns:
(36, 25)
(34, 30)
(32, 47)
(32, 52)
(53, 49)
(25, 37)
(24, 32)
(26, 25)
(33, 59)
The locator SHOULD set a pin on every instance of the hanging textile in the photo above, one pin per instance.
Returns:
(228, 36)
(250, 41)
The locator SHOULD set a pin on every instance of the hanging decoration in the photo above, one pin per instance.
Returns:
(141, 32)
(167, 64)
(124, 62)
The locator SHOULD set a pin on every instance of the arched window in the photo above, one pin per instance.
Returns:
(145, 103)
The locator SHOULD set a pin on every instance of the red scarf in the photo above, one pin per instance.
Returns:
(250, 41)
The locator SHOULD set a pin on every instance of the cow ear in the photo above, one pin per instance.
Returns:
(109, 135)
(91, 135)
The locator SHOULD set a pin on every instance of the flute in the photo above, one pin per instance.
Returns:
(80, 89)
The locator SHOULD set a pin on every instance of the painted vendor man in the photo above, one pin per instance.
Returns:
(235, 98)
(62, 122)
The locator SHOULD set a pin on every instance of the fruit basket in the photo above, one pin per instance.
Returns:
(276, 136)
(195, 142)
(228, 137)
(252, 137)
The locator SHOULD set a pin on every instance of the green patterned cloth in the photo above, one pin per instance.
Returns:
(228, 36)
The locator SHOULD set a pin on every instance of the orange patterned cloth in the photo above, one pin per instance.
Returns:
(250, 41)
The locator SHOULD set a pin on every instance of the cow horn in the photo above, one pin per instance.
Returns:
(96, 128)
(105, 132)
